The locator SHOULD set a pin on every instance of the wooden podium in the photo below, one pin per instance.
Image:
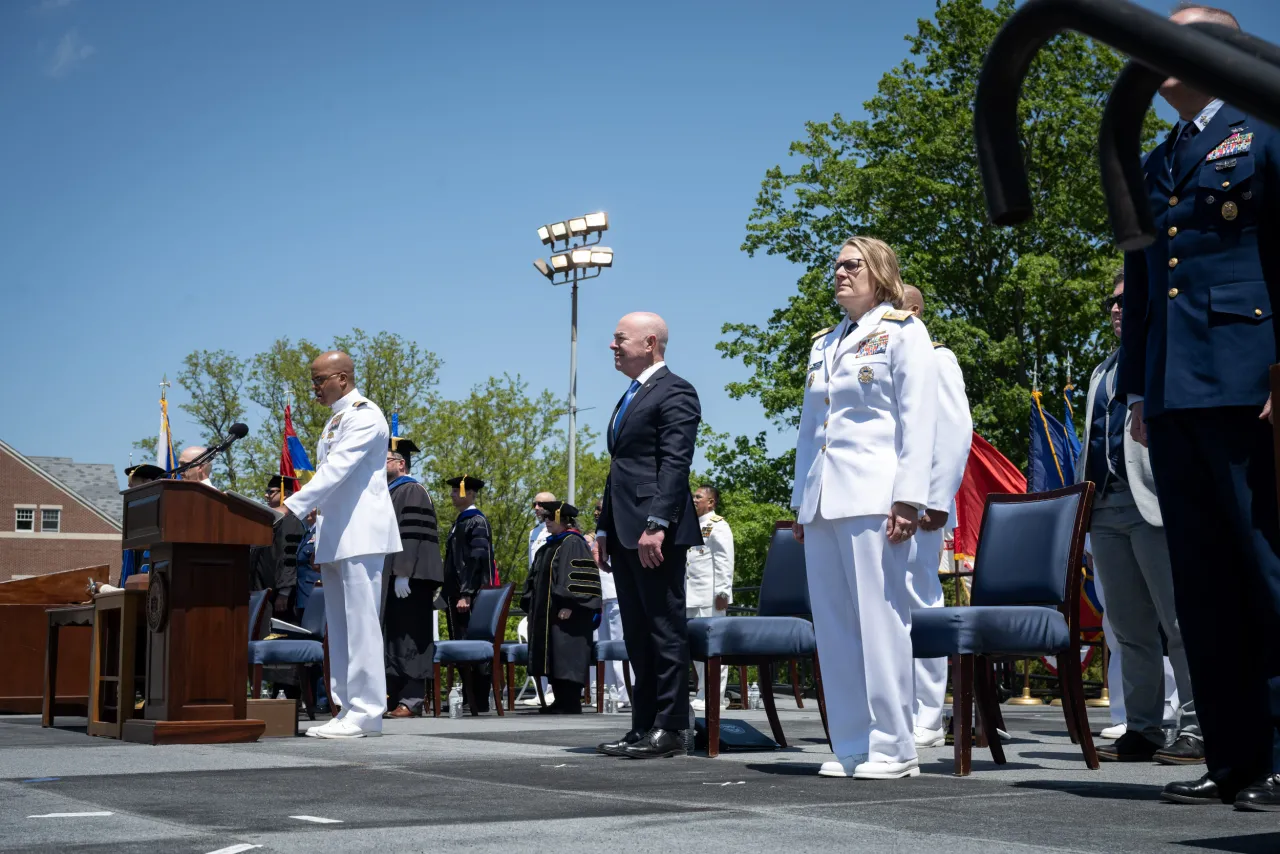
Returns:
(197, 610)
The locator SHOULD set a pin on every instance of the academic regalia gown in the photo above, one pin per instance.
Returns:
(276, 566)
(406, 623)
(468, 566)
(563, 575)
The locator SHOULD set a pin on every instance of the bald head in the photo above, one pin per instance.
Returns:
(200, 472)
(541, 498)
(639, 342)
(912, 300)
(333, 376)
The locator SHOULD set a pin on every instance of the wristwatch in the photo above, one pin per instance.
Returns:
(653, 527)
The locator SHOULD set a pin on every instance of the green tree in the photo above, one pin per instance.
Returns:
(215, 380)
(1003, 299)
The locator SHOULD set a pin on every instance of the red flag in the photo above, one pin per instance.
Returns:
(988, 471)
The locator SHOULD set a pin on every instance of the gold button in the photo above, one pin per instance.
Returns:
(824, 449)
(1173, 201)
(827, 401)
(1173, 262)
(1173, 231)
(1257, 312)
(1173, 292)
(1226, 184)
(824, 421)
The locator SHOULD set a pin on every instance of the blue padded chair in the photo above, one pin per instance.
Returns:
(514, 655)
(299, 651)
(1026, 603)
(780, 629)
(611, 650)
(483, 642)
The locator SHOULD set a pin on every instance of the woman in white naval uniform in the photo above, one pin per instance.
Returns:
(863, 462)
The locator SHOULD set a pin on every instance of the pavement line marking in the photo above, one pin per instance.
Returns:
(70, 815)
(235, 849)
(317, 819)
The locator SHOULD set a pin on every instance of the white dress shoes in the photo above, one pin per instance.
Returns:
(841, 767)
(343, 729)
(930, 737)
(1116, 731)
(887, 770)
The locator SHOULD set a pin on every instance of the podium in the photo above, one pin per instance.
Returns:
(197, 610)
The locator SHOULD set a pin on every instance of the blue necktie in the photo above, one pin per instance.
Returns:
(626, 401)
(1182, 149)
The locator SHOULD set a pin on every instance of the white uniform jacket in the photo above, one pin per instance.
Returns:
(350, 486)
(869, 419)
(537, 539)
(955, 433)
(709, 567)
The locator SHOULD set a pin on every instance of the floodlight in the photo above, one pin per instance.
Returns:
(544, 234)
(559, 231)
(578, 225)
(601, 256)
(543, 268)
(597, 221)
(562, 262)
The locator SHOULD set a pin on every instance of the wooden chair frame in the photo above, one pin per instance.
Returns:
(495, 671)
(626, 680)
(975, 679)
(715, 662)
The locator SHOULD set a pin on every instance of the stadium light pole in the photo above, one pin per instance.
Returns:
(580, 258)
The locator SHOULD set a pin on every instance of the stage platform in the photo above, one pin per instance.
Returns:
(533, 783)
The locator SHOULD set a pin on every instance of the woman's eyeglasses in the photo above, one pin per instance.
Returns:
(850, 265)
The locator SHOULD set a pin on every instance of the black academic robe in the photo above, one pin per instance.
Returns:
(468, 558)
(563, 575)
(276, 566)
(406, 623)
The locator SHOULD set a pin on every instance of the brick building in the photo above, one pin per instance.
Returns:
(57, 514)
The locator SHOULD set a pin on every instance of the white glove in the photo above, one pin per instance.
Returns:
(402, 588)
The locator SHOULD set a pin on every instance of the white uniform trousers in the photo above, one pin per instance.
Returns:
(862, 619)
(611, 629)
(357, 669)
(700, 666)
(925, 589)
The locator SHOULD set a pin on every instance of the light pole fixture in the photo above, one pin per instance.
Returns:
(578, 259)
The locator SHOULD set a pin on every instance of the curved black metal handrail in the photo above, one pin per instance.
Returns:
(1205, 62)
(1120, 138)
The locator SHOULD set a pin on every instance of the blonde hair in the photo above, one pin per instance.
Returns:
(882, 264)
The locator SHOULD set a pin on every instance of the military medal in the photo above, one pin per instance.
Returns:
(1230, 211)
(866, 374)
(811, 376)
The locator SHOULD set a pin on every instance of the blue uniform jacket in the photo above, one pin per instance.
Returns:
(1198, 328)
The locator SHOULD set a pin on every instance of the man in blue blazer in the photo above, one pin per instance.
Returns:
(646, 525)
(1198, 338)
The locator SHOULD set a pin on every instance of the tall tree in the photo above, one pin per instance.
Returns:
(214, 379)
(1005, 300)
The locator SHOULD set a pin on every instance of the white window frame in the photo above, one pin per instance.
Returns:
(18, 507)
(57, 508)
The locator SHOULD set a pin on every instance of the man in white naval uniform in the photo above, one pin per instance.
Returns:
(709, 578)
(950, 456)
(356, 527)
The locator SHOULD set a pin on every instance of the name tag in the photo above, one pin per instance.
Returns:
(873, 345)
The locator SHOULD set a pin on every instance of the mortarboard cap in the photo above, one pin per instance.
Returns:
(561, 511)
(277, 479)
(144, 471)
(466, 483)
(404, 447)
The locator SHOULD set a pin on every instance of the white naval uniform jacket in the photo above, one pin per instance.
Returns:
(709, 567)
(869, 419)
(350, 486)
(955, 434)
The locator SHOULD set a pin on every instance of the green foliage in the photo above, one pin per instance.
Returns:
(1002, 299)
(214, 379)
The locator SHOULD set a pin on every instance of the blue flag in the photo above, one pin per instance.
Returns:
(1052, 462)
(1068, 423)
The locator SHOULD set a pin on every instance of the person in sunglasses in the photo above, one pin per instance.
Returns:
(1131, 557)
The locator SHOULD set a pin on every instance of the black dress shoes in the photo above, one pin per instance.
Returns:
(1130, 747)
(1202, 791)
(1185, 750)
(615, 748)
(1262, 796)
(657, 744)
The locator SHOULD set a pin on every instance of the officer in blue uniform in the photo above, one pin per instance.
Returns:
(1198, 337)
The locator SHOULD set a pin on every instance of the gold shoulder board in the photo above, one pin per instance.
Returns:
(937, 344)
(715, 517)
(897, 314)
(815, 336)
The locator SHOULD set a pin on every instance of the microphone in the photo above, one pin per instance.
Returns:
(234, 432)
(238, 430)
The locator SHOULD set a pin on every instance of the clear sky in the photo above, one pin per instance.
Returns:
(218, 174)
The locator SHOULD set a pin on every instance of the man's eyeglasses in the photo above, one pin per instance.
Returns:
(1114, 301)
(850, 265)
(316, 382)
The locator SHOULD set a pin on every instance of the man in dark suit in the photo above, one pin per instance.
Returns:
(646, 526)
(1198, 337)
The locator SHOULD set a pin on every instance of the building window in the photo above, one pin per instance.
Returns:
(50, 520)
(24, 519)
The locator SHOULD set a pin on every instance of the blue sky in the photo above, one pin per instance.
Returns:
(215, 175)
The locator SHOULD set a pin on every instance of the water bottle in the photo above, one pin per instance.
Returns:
(455, 702)
(753, 696)
(611, 704)
(280, 695)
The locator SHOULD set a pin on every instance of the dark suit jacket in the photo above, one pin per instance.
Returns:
(1199, 330)
(651, 452)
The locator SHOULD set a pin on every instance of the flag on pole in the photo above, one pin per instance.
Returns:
(1068, 422)
(165, 457)
(395, 424)
(1052, 460)
(293, 457)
